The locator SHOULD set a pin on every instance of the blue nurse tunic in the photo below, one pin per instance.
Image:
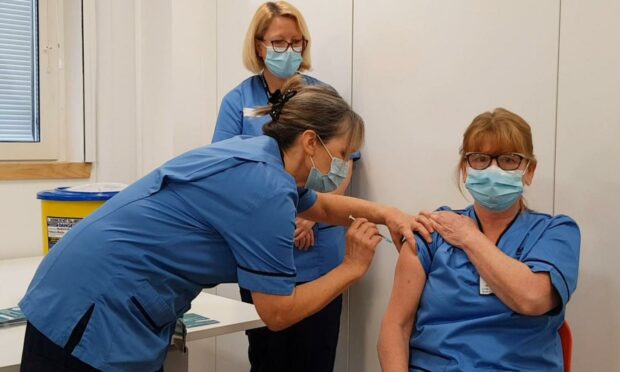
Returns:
(328, 251)
(459, 329)
(217, 214)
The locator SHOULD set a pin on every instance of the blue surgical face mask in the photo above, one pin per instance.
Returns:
(283, 65)
(495, 188)
(327, 182)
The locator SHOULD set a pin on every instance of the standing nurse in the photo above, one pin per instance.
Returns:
(277, 47)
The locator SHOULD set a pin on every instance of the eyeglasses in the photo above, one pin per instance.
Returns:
(507, 162)
(281, 46)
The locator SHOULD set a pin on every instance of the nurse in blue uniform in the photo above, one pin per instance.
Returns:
(490, 292)
(277, 46)
(108, 294)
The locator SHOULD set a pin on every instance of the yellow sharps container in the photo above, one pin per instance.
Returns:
(63, 207)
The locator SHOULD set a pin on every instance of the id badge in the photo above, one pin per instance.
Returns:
(485, 290)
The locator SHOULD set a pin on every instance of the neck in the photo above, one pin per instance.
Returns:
(496, 220)
(295, 165)
(273, 82)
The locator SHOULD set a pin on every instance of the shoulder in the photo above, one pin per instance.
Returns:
(465, 211)
(548, 221)
(248, 85)
(438, 240)
(266, 179)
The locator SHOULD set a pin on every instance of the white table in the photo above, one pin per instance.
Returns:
(15, 275)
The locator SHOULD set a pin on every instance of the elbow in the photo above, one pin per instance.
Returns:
(276, 321)
(533, 305)
(278, 311)
(528, 310)
(276, 324)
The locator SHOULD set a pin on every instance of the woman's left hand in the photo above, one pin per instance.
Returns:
(455, 229)
(304, 234)
(402, 226)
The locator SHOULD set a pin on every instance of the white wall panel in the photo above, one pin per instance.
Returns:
(194, 29)
(116, 132)
(421, 71)
(587, 179)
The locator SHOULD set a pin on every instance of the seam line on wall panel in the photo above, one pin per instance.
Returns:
(216, 89)
(83, 86)
(557, 100)
(349, 291)
(139, 91)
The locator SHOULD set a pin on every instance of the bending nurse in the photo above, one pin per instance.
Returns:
(108, 294)
(277, 47)
(490, 292)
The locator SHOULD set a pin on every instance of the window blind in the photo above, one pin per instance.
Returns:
(19, 106)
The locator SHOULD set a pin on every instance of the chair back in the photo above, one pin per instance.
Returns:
(567, 345)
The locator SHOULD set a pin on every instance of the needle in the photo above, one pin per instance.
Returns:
(383, 236)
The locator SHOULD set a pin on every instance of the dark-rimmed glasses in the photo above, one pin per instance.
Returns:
(507, 162)
(281, 46)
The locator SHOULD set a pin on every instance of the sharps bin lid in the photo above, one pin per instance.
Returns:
(89, 192)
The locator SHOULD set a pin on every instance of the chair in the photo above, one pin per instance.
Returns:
(567, 345)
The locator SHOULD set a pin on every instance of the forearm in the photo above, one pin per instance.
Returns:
(512, 281)
(393, 347)
(335, 210)
(307, 298)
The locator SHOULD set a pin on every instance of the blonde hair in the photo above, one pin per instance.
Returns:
(260, 23)
(497, 132)
(313, 107)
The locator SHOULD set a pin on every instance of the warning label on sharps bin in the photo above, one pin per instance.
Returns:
(57, 227)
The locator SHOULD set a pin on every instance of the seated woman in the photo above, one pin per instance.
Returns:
(490, 291)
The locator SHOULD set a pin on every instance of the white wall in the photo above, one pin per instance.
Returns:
(587, 179)
(156, 83)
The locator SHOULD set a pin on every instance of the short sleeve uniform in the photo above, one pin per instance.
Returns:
(459, 329)
(217, 214)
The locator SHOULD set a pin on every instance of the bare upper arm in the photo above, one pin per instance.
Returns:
(317, 212)
(409, 281)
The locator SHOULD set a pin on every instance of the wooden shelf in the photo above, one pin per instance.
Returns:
(44, 171)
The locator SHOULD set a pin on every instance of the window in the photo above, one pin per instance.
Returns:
(19, 81)
(31, 73)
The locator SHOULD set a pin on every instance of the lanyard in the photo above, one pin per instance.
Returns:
(262, 79)
(271, 97)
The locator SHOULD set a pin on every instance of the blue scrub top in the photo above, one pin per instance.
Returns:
(217, 214)
(329, 248)
(458, 329)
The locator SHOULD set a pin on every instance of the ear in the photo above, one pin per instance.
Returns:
(528, 177)
(309, 142)
(462, 171)
(258, 46)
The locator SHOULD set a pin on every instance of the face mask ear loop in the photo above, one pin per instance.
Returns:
(325, 147)
(524, 171)
(312, 161)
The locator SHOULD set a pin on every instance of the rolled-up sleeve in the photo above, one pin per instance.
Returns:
(425, 251)
(557, 252)
(307, 198)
